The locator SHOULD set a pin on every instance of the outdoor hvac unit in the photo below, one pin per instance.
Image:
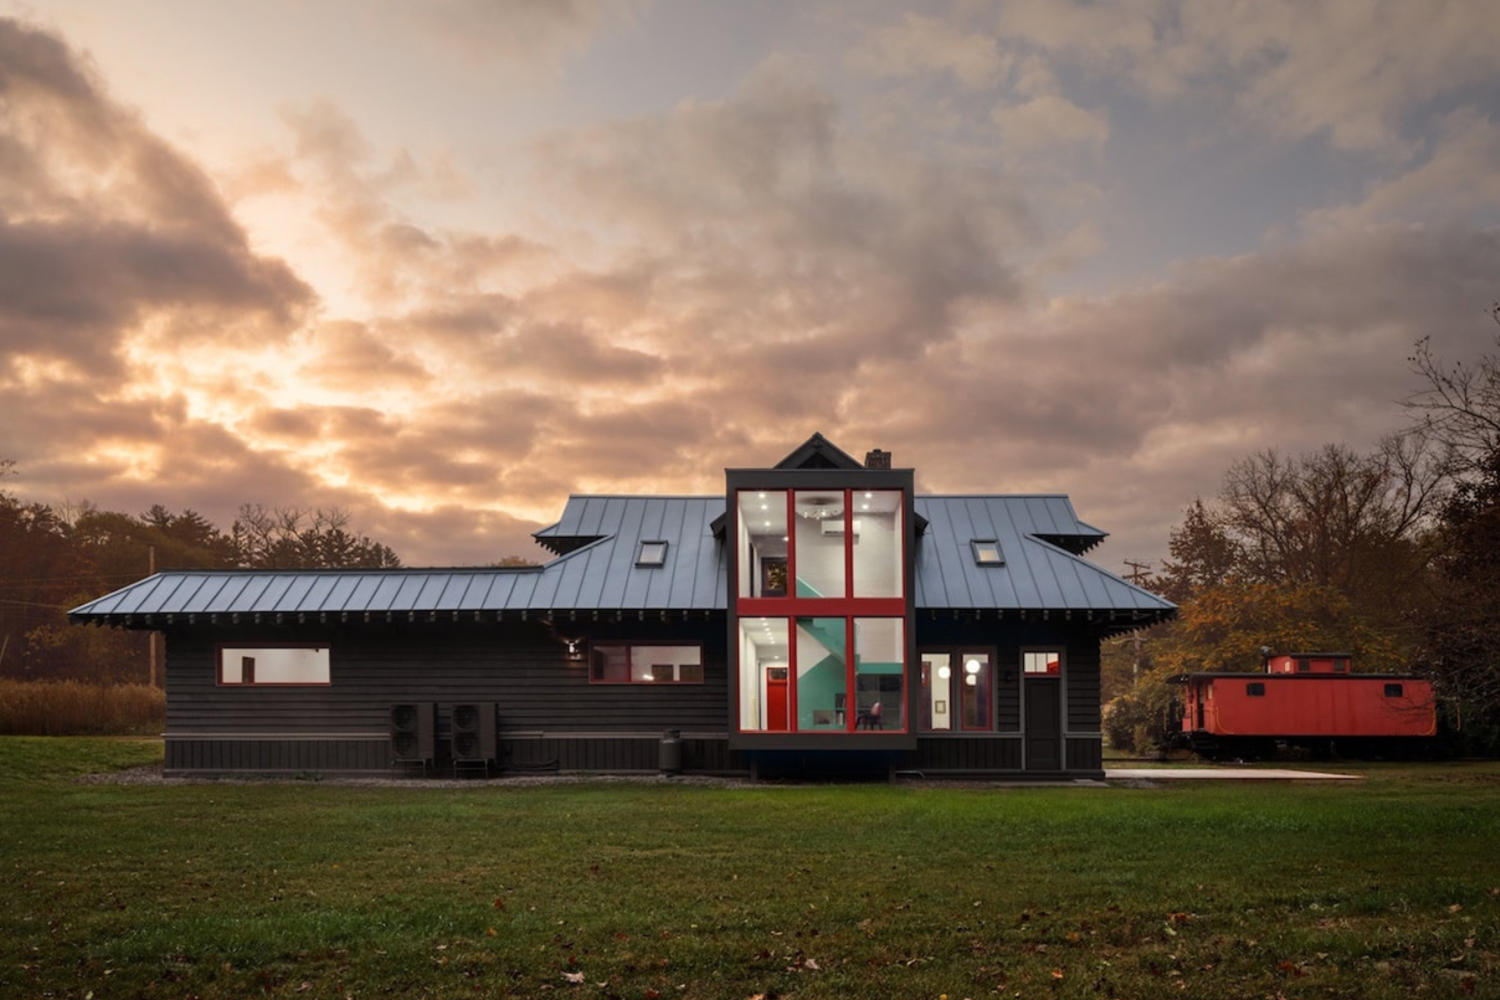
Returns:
(414, 732)
(473, 735)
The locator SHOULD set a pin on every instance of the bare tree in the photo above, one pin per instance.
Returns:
(1336, 518)
(283, 537)
(1460, 404)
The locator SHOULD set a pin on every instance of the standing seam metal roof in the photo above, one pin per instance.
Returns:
(600, 572)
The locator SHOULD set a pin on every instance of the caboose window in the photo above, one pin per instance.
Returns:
(1304, 666)
(1255, 689)
(1394, 690)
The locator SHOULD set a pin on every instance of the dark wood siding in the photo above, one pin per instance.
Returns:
(704, 755)
(1085, 753)
(280, 755)
(344, 726)
(940, 754)
(550, 716)
(1083, 686)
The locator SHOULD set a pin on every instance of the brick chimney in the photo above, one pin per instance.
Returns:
(877, 459)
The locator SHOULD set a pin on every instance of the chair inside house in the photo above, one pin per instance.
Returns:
(869, 718)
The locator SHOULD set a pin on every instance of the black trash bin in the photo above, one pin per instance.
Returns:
(670, 756)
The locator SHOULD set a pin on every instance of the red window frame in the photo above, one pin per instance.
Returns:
(791, 606)
(956, 686)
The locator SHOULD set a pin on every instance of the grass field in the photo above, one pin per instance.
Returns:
(1385, 888)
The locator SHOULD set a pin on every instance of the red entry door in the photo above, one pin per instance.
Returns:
(776, 699)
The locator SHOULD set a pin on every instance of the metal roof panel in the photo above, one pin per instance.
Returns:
(602, 575)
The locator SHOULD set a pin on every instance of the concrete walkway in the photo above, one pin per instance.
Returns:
(1221, 774)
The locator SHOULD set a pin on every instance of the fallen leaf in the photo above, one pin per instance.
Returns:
(811, 963)
(1455, 907)
(491, 932)
(1057, 973)
(574, 977)
(499, 903)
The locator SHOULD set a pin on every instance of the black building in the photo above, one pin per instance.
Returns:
(818, 618)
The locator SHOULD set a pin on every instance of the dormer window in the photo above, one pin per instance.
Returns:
(987, 552)
(652, 554)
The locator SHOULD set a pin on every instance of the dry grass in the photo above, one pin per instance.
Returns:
(71, 708)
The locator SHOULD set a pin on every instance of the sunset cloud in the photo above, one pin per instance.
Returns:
(973, 236)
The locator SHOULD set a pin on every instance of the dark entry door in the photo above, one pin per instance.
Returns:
(1043, 723)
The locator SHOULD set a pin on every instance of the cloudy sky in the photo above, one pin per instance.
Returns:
(442, 263)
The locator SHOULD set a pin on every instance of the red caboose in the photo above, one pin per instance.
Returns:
(1311, 700)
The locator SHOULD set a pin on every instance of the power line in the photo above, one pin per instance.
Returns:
(34, 604)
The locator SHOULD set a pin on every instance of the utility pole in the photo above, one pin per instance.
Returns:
(151, 571)
(1137, 576)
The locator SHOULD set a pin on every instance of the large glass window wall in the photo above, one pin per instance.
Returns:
(819, 598)
(814, 544)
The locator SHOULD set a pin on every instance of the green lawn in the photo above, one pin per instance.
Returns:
(1385, 888)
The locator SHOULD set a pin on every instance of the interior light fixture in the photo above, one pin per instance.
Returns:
(944, 672)
(820, 508)
(972, 666)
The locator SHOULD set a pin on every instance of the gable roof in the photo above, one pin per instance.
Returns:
(817, 452)
(599, 540)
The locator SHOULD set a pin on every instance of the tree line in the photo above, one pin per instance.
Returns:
(55, 558)
(1391, 555)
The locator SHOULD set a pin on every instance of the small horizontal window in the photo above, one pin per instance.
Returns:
(652, 554)
(265, 665)
(632, 664)
(1255, 689)
(1394, 690)
(1047, 661)
(987, 552)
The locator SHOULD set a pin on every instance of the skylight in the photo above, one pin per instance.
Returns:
(652, 554)
(987, 552)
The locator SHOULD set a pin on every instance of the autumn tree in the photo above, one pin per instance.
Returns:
(1327, 550)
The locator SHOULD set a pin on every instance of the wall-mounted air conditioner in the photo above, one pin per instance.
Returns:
(835, 526)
